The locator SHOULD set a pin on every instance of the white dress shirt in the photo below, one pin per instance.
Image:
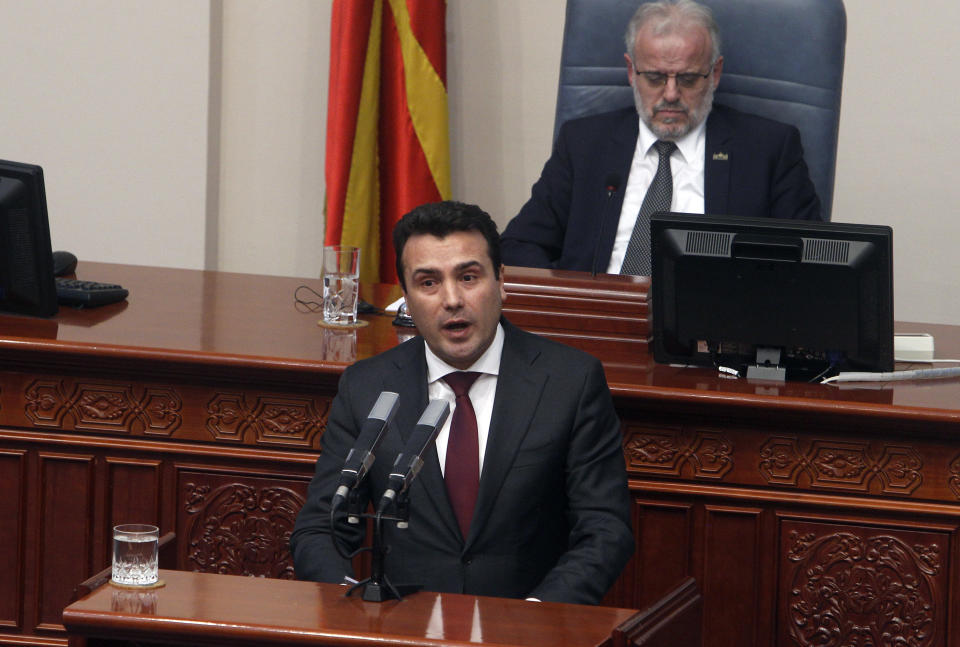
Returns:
(481, 393)
(686, 165)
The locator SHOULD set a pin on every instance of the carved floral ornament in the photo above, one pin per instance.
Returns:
(851, 590)
(842, 465)
(158, 411)
(783, 461)
(104, 407)
(241, 529)
(273, 420)
(953, 481)
(708, 454)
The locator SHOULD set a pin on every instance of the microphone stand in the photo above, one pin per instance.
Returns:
(613, 185)
(378, 587)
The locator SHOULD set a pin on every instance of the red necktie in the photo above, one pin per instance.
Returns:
(462, 467)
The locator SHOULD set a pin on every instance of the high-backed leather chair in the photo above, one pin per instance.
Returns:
(783, 59)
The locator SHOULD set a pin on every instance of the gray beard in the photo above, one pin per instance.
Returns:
(695, 116)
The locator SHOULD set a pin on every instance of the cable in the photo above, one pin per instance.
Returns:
(926, 361)
(306, 303)
(814, 379)
(306, 299)
(919, 374)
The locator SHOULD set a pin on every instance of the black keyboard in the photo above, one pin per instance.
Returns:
(87, 294)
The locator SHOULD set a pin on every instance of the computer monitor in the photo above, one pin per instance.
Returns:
(26, 263)
(772, 298)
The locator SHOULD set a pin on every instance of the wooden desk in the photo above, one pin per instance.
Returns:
(798, 508)
(227, 610)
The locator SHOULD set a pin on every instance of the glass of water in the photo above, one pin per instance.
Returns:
(341, 284)
(135, 547)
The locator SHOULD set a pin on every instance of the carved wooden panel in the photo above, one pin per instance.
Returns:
(227, 417)
(45, 403)
(849, 466)
(953, 480)
(115, 407)
(197, 412)
(66, 515)
(271, 420)
(237, 524)
(12, 513)
(845, 584)
(732, 568)
(673, 451)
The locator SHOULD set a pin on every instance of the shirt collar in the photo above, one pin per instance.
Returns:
(488, 363)
(688, 145)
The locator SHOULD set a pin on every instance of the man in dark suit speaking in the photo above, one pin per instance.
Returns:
(546, 513)
(608, 173)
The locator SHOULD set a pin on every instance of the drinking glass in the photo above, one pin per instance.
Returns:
(341, 284)
(135, 547)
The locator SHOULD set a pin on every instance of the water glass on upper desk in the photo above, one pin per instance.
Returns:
(341, 284)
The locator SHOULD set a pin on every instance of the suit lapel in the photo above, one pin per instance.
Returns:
(519, 387)
(618, 158)
(409, 380)
(716, 167)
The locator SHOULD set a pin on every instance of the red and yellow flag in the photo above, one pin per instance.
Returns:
(388, 145)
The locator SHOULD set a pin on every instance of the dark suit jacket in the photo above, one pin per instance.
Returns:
(754, 167)
(553, 513)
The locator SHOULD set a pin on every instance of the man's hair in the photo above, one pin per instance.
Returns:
(442, 218)
(668, 15)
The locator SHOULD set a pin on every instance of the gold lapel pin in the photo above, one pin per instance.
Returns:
(720, 157)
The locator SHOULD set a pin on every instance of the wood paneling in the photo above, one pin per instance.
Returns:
(664, 532)
(731, 575)
(12, 528)
(66, 518)
(133, 492)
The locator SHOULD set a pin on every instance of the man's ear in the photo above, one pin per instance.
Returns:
(717, 72)
(503, 289)
(630, 69)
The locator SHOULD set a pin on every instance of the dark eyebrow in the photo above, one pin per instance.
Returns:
(433, 271)
(468, 265)
(424, 270)
(461, 267)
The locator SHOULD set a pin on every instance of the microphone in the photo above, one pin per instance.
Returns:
(612, 186)
(361, 456)
(410, 460)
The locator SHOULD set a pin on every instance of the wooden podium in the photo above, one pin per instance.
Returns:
(209, 609)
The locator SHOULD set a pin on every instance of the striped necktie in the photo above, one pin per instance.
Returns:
(636, 260)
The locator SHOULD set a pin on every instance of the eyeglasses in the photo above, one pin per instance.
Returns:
(686, 80)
